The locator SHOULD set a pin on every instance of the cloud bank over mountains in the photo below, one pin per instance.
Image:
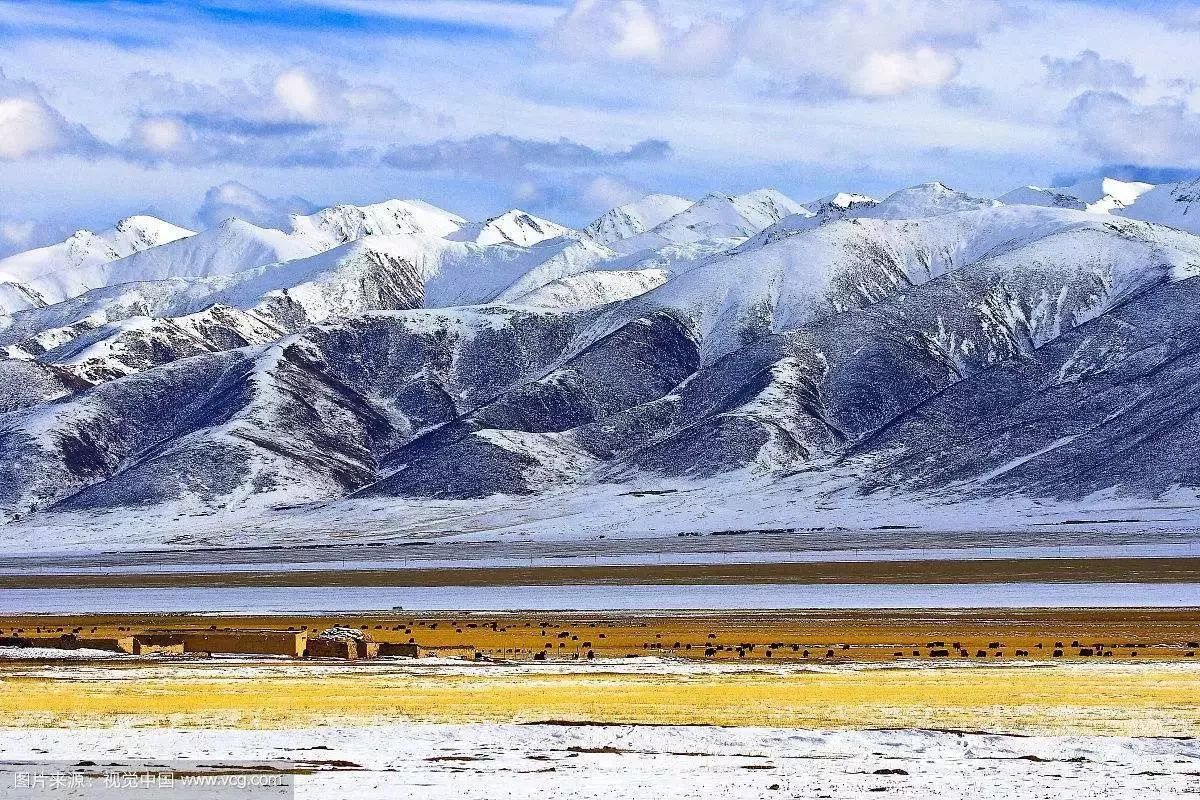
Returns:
(560, 103)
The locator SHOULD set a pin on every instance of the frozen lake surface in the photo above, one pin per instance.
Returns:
(600, 597)
(359, 558)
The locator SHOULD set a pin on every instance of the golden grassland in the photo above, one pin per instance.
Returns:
(1102, 698)
(1075, 570)
(991, 635)
(864, 684)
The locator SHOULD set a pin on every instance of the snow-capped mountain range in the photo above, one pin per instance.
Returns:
(1041, 345)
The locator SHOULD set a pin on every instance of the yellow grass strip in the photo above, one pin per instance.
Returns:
(1111, 698)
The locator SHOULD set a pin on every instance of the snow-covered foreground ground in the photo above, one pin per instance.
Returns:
(779, 514)
(436, 761)
(989, 736)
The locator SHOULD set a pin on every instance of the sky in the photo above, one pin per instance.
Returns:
(197, 111)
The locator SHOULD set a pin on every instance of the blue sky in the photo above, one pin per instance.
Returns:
(195, 110)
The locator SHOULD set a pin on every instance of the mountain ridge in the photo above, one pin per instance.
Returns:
(387, 353)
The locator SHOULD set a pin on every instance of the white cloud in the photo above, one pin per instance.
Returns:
(1114, 128)
(621, 30)
(295, 91)
(498, 155)
(1089, 70)
(17, 235)
(869, 47)
(31, 127)
(313, 95)
(638, 31)
(703, 47)
(864, 47)
(585, 195)
(298, 116)
(163, 136)
(608, 191)
(27, 127)
(633, 32)
(234, 199)
(692, 72)
(198, 139)
(306, 92)
(899, 72)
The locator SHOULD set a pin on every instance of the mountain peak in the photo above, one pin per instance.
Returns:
(344, 222)
(1105, 195)
(927, 200)
(842, 201)
(512, 227)
(773, 202)
(1117, 186)
(142, 231)
(1041, 196)
(848, 199)
(82, 252)
(632, 219)
(717, 216)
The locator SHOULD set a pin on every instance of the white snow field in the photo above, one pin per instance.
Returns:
(490, 761)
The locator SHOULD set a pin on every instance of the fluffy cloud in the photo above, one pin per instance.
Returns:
(638, 31)
(298, 94)
(559, 178)
(861, 47)
(1112, 127)
(623, 30)
(609, 191)
(301, 92)
(576, 194)
(294, 117)
(196, 139)
(306, 94)
(17, 235)
(1089, 70)
(899, 71)
(869, 47)
(30, 127)
(498, 155)
(233, 199)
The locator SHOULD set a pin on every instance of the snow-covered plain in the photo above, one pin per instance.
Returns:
(731, 513)
(490, 761)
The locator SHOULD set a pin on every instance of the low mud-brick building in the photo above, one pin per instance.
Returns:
(226, 640)
(399, 649)
(71, 641)
(341, 642)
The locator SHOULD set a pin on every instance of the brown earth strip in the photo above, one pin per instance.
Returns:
(1046, 570)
